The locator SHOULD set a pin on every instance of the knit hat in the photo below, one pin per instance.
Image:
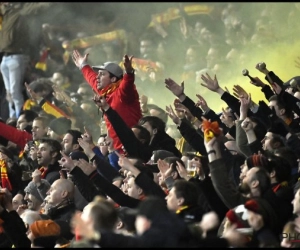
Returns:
(60, 125)
(111, 67)
(32, 189)
(256, 160)
(238, 216)
(78, 155)
(42, 228)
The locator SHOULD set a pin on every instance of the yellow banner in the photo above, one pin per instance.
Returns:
(174, 13)
(85, 42)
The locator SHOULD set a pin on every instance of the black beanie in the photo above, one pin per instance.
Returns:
(60, 125)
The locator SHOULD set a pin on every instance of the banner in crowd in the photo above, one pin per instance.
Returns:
(175, 13)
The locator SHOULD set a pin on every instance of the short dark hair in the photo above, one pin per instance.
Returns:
(188, 191)
(76, 134)
(143, 134)
(154, 122)
(163, 115)
(54, 144)
(282, 105)
(264, 179)
(29, 115)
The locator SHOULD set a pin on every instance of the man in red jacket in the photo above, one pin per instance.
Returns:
(119, 90)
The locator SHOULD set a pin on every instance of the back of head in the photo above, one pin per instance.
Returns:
(152, 207)
(104, 214)
(282, 168)
(60, 125)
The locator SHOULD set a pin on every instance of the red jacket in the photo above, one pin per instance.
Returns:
(14, 135)
(124, 99)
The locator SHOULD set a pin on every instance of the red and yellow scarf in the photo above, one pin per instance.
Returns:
(5, 182)
(43, 171)
(110, 88)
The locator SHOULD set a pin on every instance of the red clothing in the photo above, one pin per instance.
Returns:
(124, 99)
(14, 135)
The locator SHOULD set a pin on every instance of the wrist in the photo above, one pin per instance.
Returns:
(220, 91)
(181, 97)
(130, 71)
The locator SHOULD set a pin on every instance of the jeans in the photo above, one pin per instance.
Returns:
(13, 72)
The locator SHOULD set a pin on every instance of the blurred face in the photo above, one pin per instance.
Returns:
(17, 201)
(33, 152)
(55, 194)
(173, 202)
(227, 120)
(67, 144)
(132, 189)
(102, 145)
(3, 156)
(244, 170)
(44, 154)
(190, 57)
(103, 79)
(83, 93)
(22, 123)
(58, 79)
(141, 224)
(32, 202)
(146, 48)
(279, 112)
(246, 182)
(296, 203)
(51, 134)
(266, 142)
(152, 131)
(212, 58)
(38, 130)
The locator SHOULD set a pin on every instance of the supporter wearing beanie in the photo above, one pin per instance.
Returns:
(41, 228)
(58, 127)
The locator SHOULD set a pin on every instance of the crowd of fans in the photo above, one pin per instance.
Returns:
(94, 154)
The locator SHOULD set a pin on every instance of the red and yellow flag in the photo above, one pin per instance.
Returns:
(5, 182)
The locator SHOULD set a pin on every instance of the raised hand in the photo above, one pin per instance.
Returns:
(247, 124)
(101, 102)
(86, 167)
(179, 107)
(78, 59)
(182, 171)
(176, 89)
(124, 162)
(211, 84)
(239, 92)
(258, 82)
(66, 162)
(87, 147)
(162, 166)
(87, 136)
(277, 89)
(262, 67)
(245, 105)
(127, 62)
(202, 103)
(172, 115)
